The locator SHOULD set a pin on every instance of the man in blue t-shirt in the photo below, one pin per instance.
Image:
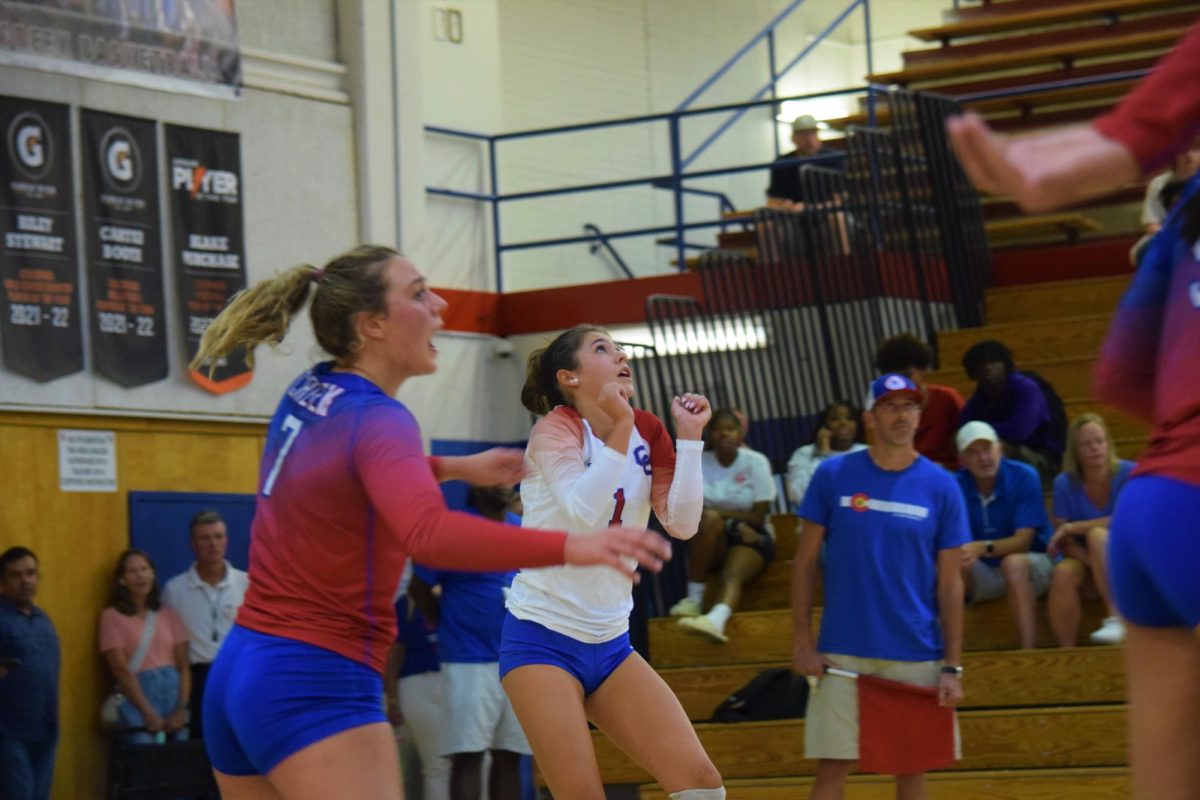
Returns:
(469, 616)
(1009, 528)
(893, 526)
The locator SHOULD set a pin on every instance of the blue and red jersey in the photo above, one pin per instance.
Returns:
(346, 494)
(1147, 365)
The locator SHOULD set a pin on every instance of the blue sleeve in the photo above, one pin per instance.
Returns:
(953, 528)
(1031, 507)
(1062, 496)
(818, 501)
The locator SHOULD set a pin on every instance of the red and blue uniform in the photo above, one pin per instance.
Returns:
(1147, 365)
(346, 494)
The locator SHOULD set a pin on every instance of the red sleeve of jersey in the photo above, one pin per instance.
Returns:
(662, 459)
(1162, 113)
(405, 496)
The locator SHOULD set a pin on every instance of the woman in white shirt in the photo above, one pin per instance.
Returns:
(593, 461)
(734, 538)
(837, 436)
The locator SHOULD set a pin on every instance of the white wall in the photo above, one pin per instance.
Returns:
(298, 193)
(557, 62)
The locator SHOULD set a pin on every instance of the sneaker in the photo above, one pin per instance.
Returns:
(704, 626)
(687, 607)
(1111, 631)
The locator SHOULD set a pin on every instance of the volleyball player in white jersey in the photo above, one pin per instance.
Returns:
(565, 658)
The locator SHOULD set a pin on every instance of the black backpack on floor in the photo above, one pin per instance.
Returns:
(772, 694)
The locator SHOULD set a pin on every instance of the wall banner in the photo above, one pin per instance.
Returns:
(205, 172)
(40, 331)
(124, 248)
(182, 45)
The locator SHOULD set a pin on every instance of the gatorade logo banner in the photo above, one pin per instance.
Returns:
(124, 248)
(205, 184)
(40, 332)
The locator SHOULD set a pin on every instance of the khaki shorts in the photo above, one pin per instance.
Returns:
(989, 582)
(831, 722)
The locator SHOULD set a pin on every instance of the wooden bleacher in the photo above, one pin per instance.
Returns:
(1144, 35)
(1036, 724)
(990, 19)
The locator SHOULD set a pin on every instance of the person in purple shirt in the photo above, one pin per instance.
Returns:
(1015, 406)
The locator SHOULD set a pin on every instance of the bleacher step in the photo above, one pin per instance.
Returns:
(1039, 301)
(1070, 376)
(1064, 336)
(758, 636)
(1076, 736)
(1080, 783)
(1065, 676)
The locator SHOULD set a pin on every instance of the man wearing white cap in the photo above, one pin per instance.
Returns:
(1009, 528)
(786, 190)
(893, 525)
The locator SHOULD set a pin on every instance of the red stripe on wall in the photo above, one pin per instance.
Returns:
(610, 303)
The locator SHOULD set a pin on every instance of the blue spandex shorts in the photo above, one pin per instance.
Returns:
(1154, 553)
(524, 643)
(268, 697)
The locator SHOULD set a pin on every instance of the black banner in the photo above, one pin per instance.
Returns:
(181, 45)
(124, 248)
(40, 329)
(206, 214)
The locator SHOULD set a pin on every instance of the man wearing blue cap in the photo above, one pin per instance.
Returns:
(893, 524)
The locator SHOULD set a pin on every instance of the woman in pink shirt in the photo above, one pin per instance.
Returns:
(145, 646)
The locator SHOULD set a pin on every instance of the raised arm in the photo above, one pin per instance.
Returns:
(582, 489)
(677, 484)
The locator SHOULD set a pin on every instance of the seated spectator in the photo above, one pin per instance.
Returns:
(911, 357)
(734, 536)
(1085, 494)
(787, 191)
(146, 648)
(1016, 405)
(1009, 528)
(413, 687)
(1161, 193)
(838, 434)
(469, 616)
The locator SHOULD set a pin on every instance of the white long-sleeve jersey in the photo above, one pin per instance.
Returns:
(576, 483)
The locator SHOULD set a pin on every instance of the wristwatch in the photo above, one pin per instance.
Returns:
(949, 670)
(990, 548)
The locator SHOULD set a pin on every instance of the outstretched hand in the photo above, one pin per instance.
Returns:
(1041, 171)
(691, 412)
(500, 466)
(614, 547)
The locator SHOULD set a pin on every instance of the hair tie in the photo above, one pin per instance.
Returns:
(317, 275)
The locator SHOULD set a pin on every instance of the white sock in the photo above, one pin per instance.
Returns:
(696, 591)
(699, 794)
(719, 615)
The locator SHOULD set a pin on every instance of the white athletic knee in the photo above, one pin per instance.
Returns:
(699, 794)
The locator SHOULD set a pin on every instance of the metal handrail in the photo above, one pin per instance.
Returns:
(675, 179)
(600, 241)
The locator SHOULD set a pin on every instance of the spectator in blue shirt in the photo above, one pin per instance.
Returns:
(469, 616)
(413, 685)
(894, 526)
(29, 665)
(1015, 405)
(1085, 494)
(1009, 528)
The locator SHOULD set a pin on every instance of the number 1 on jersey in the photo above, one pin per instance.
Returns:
(292, 425)
(619, 498)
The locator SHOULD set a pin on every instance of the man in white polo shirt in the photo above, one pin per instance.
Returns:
(207, 597)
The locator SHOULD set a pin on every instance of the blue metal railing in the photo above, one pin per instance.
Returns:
(679, 173)
(675, 179)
